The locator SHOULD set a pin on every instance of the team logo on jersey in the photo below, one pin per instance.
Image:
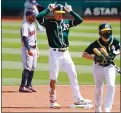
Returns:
(65, 26)
(31, 33)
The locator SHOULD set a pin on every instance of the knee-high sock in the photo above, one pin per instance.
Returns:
(25, 74)
(52, 91)
(30, 77)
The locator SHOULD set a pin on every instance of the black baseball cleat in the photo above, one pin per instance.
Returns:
(31, 88)
(24, 90)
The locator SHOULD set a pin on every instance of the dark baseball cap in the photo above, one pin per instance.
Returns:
(30, 13)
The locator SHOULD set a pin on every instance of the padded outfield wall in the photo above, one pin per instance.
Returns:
(86, 8)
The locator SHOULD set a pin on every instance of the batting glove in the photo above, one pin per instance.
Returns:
(51, 7)
(67, 7)
(99, 59)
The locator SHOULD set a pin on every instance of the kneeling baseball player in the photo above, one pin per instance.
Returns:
(103, 52)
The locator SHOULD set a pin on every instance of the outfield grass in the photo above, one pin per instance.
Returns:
(83, 33)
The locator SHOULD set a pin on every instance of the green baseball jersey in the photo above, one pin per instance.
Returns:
(57, 31)
(112, 44)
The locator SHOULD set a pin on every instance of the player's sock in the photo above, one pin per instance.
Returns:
(24, 77)
(30, 77)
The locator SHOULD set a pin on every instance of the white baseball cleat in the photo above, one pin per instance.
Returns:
(98, 109)
(55, 105)
(107, 110)
(83, 102)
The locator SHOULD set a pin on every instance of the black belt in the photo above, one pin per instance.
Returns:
(60, 49)
(33, 46)
(104, 65)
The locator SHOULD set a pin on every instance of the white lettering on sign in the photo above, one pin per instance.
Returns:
(88, 12)
(101, 11)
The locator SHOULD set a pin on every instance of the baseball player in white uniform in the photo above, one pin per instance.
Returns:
(33, 5)
(57, 30)
(103, 51)
(29, 52)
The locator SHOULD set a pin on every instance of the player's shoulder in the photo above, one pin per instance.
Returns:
(25, 25)
(95, 42)
(66, 20)
(115, 39)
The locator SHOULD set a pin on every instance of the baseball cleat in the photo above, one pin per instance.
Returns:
(24, 90)
(107, 110)
(31, 88)
(83, 102)
(98, 109)
(55, 105)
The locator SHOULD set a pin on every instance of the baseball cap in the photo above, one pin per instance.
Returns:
(30, 13)
(59, 9)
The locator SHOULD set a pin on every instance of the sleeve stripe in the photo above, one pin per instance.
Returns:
(73, 22)
(42, 21)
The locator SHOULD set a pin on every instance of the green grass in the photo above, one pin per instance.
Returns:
(41, 46)
(44, 59)
(41, 77)
(13, 77)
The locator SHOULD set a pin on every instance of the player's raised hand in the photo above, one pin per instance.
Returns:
(67, 7)
(52, 6)
(30, 53)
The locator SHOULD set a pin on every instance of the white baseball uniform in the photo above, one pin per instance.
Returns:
(104, 70)
(57, 34)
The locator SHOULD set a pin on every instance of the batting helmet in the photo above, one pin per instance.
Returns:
(105, 30)
(59, 9)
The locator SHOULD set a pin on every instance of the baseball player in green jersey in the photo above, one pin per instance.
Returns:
(103, 67)
(57, 31)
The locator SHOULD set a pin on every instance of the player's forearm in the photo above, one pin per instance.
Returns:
(25, 42)
(87, 56)
(42, 14)
(77, 18)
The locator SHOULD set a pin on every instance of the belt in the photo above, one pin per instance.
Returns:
(60, 49)
(33, 46)
(104, 65)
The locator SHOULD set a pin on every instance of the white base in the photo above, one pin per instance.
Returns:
(81, 106)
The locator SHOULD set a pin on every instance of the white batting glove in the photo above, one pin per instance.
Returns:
(51, 7)
(67, 7)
